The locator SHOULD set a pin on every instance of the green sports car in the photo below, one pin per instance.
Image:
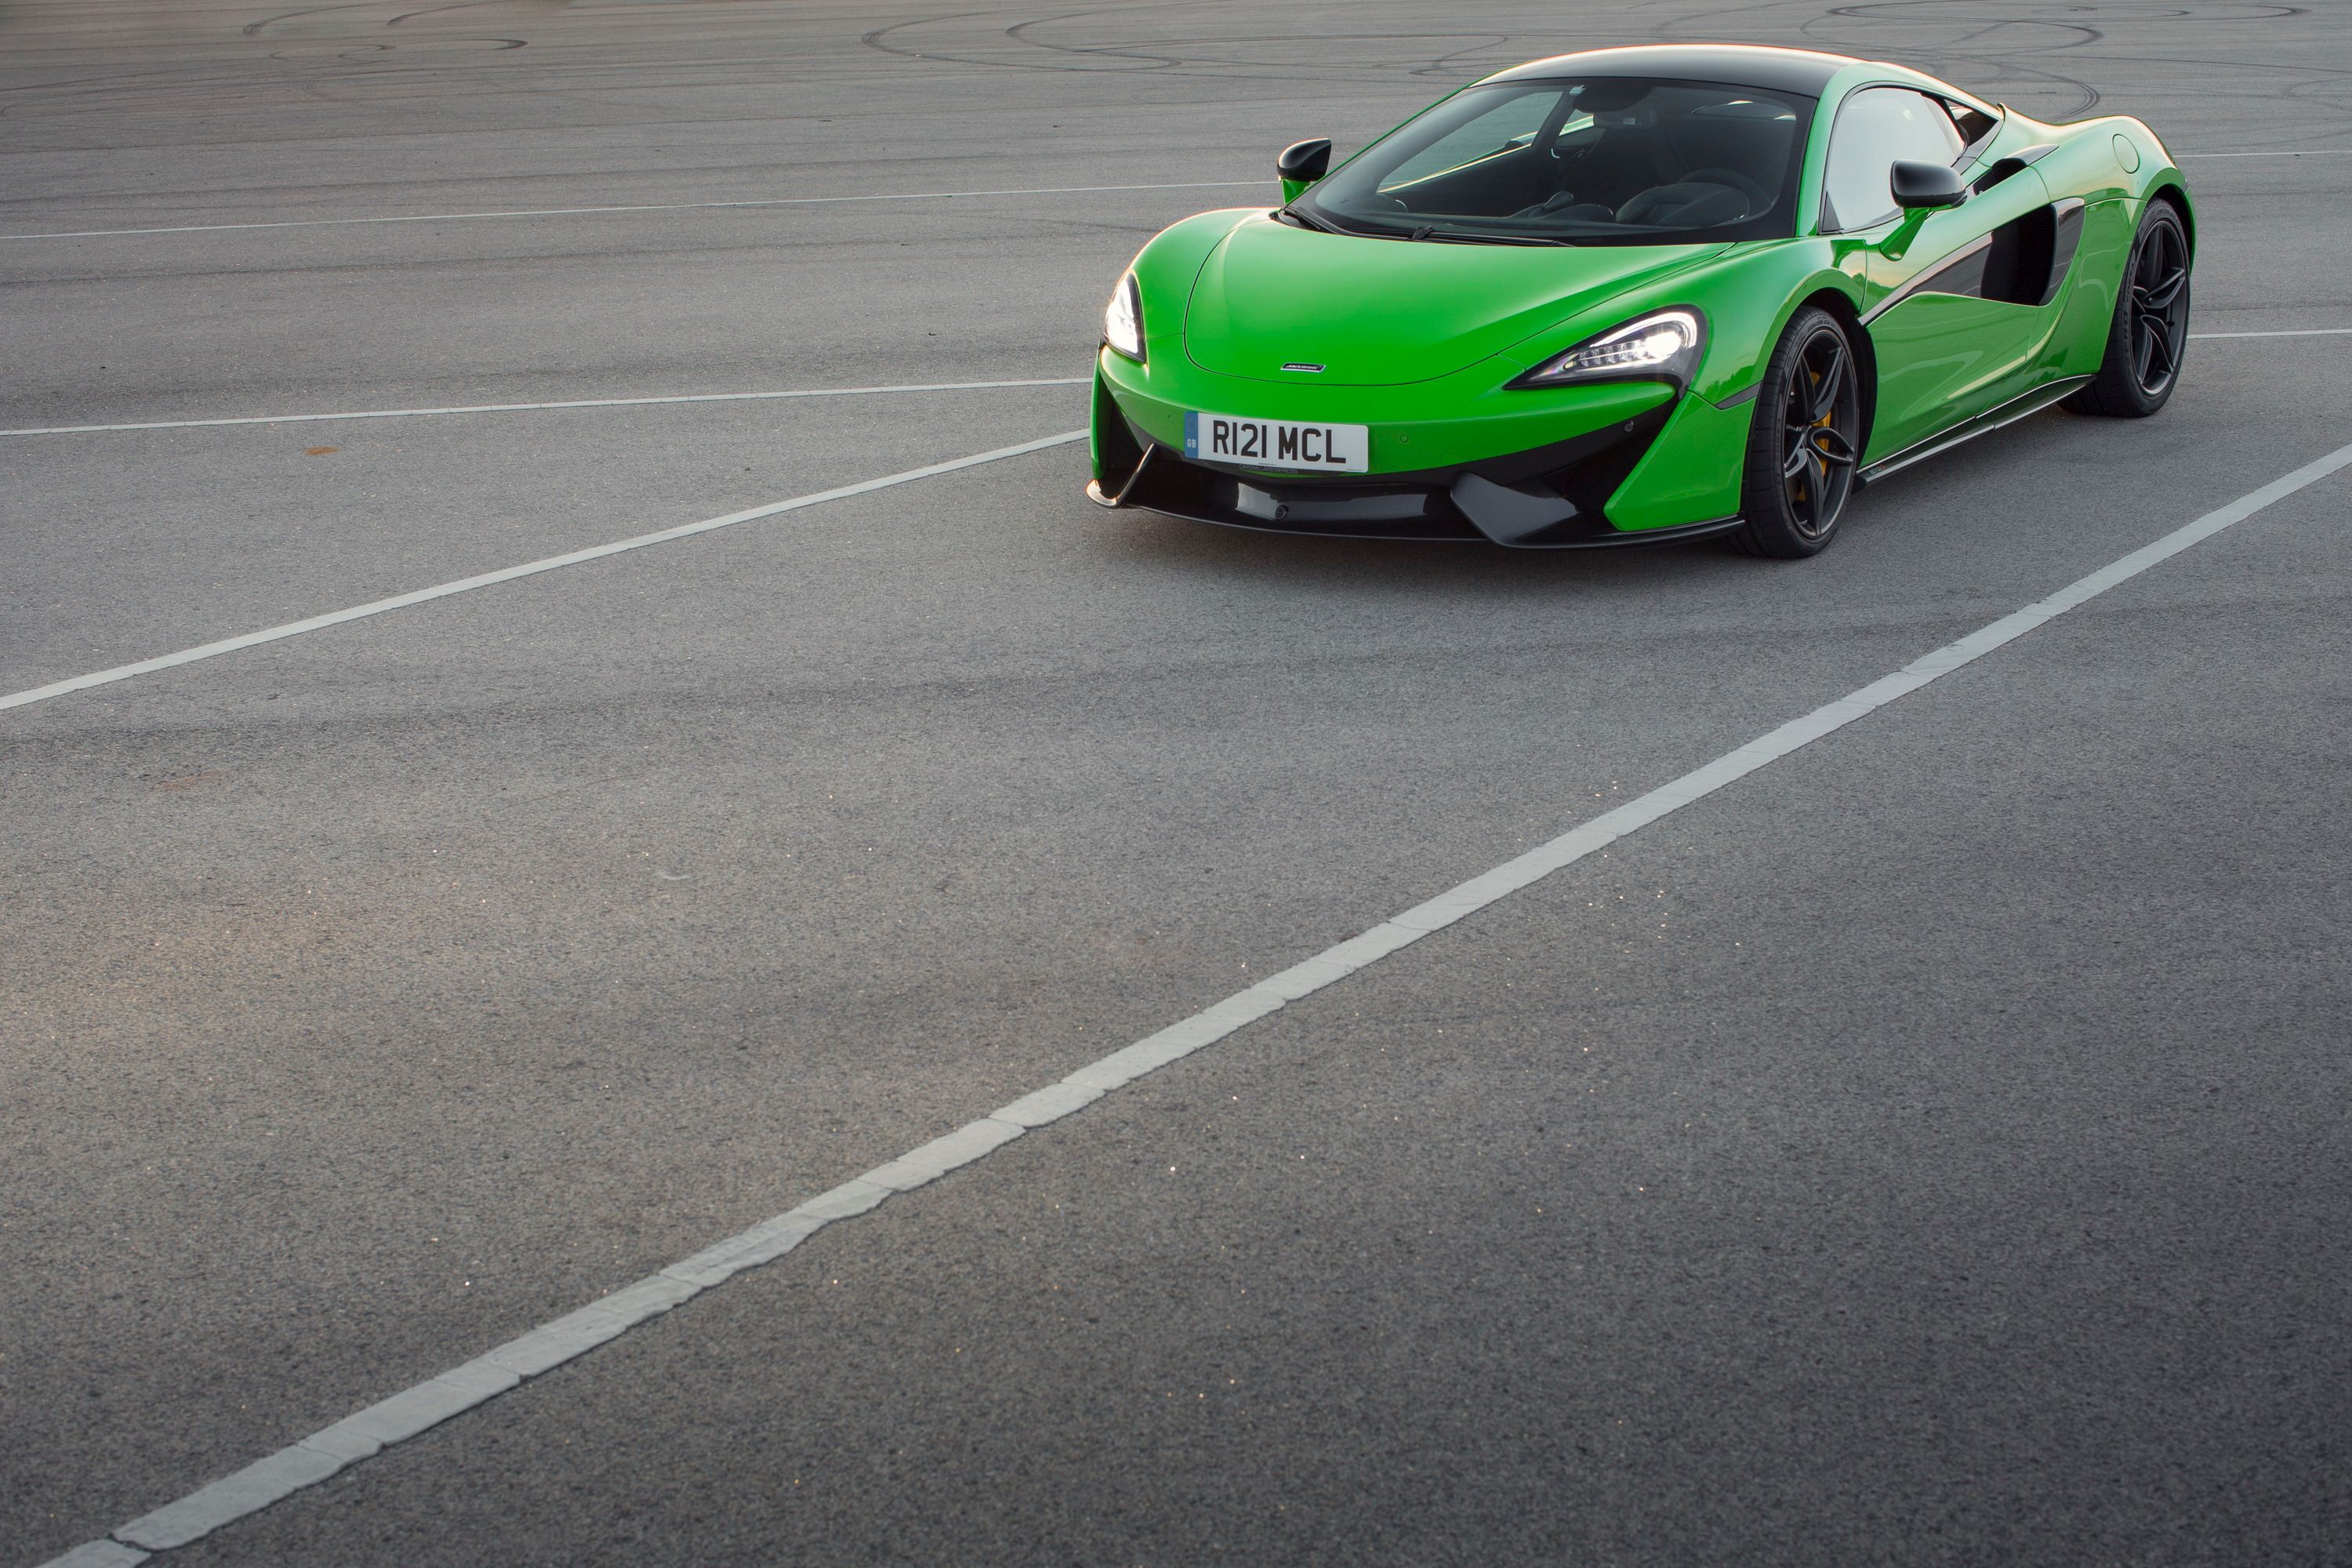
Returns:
(1641, 294)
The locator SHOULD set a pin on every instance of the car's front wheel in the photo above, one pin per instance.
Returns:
(1805, 443)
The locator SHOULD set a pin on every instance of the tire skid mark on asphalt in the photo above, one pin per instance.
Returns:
(368, 1432)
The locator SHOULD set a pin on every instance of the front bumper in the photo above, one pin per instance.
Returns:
(1543, 471)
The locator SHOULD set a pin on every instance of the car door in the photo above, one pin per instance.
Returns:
(1946, 351)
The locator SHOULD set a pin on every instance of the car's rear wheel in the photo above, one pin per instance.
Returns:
(2149, 332)
(1804, 442)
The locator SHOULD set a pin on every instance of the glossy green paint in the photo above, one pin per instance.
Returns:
(1420, 341)
(1688, 475)
(1944, 357)
(1401, 312)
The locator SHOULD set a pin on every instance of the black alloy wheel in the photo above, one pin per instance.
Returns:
(1805, 442)
(2149, 336)
(2159, 308)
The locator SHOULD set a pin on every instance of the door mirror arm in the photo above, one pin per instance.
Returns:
(1900, 238)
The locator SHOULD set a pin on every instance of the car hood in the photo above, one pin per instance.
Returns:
(1386, 312)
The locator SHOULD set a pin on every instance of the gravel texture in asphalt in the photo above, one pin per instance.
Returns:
(1930, 1149)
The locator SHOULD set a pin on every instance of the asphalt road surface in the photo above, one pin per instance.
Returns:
(1929, 1148)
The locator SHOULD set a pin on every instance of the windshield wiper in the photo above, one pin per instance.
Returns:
(1476, 236)
(1292, 214)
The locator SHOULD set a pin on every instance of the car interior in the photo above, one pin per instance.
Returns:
(1629, 155)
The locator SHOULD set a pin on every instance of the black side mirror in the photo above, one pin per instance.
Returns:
(1919, 185)
(1301, 164)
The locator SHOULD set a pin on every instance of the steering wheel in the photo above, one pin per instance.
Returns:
(1758, 199)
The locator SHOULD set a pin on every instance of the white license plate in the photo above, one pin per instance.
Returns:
(1278, 444)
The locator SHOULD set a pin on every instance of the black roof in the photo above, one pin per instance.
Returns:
(1736, 65)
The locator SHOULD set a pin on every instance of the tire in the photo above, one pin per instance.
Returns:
(2149, 334)
(1804, 441)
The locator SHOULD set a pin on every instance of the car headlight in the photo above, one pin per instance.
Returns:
(1123, 318)
(1661, 346)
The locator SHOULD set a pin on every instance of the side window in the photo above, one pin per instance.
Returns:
(1974, 127)
(1876, 127)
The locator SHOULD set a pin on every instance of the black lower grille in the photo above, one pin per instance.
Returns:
(1551, 497)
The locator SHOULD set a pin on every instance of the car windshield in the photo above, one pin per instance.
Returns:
(1609, 161)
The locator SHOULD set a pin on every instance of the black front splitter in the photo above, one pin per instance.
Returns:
(1223, 518)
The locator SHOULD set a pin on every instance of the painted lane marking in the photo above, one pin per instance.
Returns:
(728, 398)
(646, 207)
(531, 407)
(794, 201)
(509, 573)
(2293, 332)
(370, 1431)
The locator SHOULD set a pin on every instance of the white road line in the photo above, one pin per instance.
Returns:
(794, 202)
(532, 407)
(728, 398)
(644, 207)
(361, 1436)
(2293, 332)
(509, 573)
